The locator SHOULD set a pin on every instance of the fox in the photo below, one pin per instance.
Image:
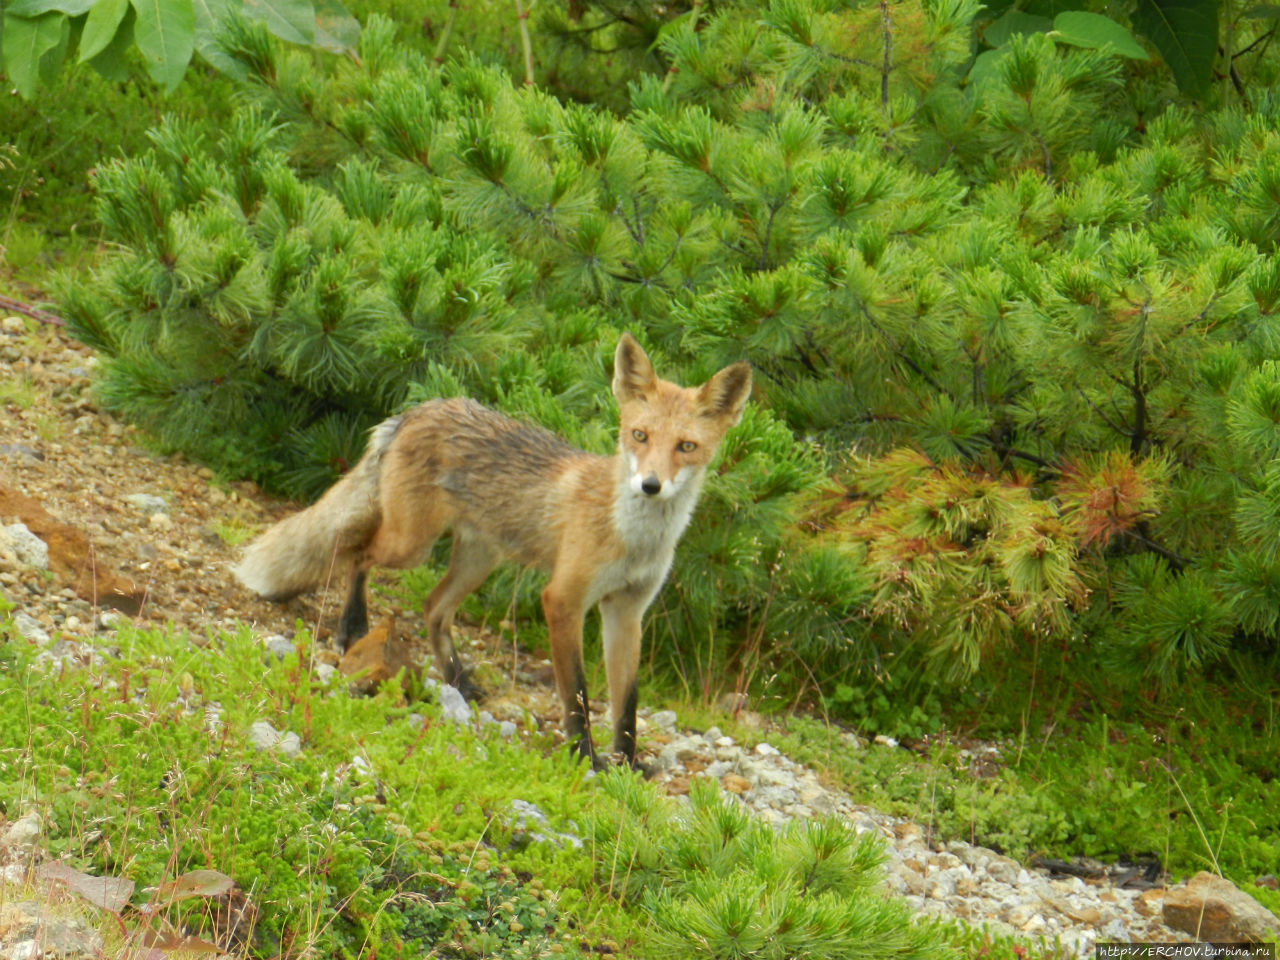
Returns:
(604, 528)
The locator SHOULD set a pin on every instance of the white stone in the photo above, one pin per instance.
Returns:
(279, 646)
(24, 831)
(147, 503)
(453, 705)
(765, 750)
(664, 720)
(29, 628)
(266, 737)
(29, 549)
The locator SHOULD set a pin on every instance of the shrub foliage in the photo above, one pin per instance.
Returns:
(1014, 322)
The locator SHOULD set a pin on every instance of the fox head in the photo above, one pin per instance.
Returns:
(669, 433)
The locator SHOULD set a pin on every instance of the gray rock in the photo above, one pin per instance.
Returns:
(29, 549)
(688, 748)
(664, 720)
(23, 832)
(20, 450)
(30, 629)
(532, 823)
(147, 503)
(279, 646)
(777, 797)
(266, 737)
(453, 705)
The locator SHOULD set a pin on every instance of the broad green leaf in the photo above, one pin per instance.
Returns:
(101, 27)
(336, 29)
(51, 61)
(1264, 12)
(33, 8)
(208, 13)
(1013, 23)
(986, 69)
(165, 33)
(1050, 8)
(111, 61)
(1186, 34)
(26, 41)
(1094, 32)
(293, 21)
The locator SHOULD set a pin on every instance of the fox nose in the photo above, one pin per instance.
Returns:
(651, 485)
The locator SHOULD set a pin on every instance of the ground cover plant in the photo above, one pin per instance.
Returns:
(392, 830)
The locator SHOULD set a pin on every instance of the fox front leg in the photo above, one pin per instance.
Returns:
(621, 616)
(564, 613)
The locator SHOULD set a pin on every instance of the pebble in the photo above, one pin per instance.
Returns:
(23, 832)
(147, 503)
(530, 821)
(453, 705)
(278, 645)
(266, 737)
(29, 549)
(30, 629)
(955, 879)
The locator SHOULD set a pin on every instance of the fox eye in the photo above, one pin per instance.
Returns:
(686, 446)
(640, 435)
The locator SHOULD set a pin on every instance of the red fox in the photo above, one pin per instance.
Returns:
(605, 528)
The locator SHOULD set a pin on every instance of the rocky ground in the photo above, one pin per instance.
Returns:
(96, 526)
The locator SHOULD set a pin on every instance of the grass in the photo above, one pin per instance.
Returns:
(1191, 785)
(19, 392)
(392, 831)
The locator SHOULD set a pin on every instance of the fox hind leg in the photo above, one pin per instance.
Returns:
(354, 622)
(470, 563)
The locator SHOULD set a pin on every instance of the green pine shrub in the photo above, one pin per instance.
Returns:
(1049, 311)
(714, 882)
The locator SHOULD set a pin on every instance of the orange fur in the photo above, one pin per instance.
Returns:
(605, 528)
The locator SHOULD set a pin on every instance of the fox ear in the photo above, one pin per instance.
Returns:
(633, 376)
(725, 395)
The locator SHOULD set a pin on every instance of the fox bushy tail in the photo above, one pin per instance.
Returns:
(307, 549)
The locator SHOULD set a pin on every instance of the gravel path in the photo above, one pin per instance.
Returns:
(164, 525)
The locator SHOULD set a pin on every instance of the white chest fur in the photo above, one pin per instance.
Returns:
(649, 529)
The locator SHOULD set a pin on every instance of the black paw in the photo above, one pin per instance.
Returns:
(471, 691)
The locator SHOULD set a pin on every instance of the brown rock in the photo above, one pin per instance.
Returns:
(71, 556)
(376, 657)
(735, 783)
(1212, 909)
(907, 830)
(1149, 902)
